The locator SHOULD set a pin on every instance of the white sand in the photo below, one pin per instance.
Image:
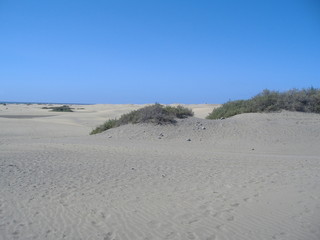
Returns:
(253, 176)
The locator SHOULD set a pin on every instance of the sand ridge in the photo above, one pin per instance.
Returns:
(253, 176)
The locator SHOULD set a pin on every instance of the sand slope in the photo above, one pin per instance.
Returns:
(253, 176)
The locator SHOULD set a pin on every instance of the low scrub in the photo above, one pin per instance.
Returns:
(156, 114)
(64, 108)
(111, 123)
(305, 100)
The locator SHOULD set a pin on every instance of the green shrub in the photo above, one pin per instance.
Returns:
(63, 108)
(229, 109)
(156, 114)
(179, 111)
(111, 123)
(305, 100)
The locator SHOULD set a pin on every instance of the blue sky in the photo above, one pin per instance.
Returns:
(116, 51)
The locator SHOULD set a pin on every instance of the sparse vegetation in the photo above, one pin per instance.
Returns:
(111, 123)
(64, 108)
(305, 100)
(156, 114)
(179, 111)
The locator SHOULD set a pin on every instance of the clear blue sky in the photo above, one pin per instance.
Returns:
(165, 51)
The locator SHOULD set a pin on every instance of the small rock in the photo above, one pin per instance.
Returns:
(188, 139)
(222, 118)
(203, 128)
(132, 168)
(252, 149)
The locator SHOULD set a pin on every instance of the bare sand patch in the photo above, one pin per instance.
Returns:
(24, 116)
(253, 176)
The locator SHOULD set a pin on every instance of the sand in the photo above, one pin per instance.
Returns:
(252, 176)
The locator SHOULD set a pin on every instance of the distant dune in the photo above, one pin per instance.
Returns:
(251, 176)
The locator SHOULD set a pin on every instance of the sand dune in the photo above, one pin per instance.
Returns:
(253, 176)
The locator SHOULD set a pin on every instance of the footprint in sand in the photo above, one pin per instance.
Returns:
(207, 213)
(279, 236)
(227, 216)
(212, 237)
(235, 204)
(193, 221)
(171, 235)
(220, 227)
(153, 224)
(202, 207)
(191, 235)
(217, 214)
(108, 236)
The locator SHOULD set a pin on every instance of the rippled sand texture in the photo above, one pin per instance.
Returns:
(253, 176)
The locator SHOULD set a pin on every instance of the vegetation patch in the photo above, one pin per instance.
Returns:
(156, 114)
(64, 108)
(305, 100)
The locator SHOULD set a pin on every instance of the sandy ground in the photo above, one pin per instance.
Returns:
(252, 176)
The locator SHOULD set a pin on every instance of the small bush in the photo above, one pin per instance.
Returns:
(111, 123)
(305, 100)
(156, 114)
(63, 108)
(229, 109)
(179, 111)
